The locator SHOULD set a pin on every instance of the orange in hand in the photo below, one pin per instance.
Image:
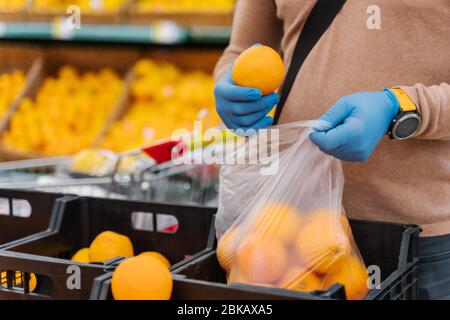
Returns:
(259, 67)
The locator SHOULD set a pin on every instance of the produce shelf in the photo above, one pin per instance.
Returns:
(166, 32)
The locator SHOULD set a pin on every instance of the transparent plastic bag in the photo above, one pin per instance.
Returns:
(287, 228)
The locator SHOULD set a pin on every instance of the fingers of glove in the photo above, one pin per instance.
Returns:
(333, 139)
(337, 113)
(251, 119)
(227, 90)
(247, 108)
(261, 124)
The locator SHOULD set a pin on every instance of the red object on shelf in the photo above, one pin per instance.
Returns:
(163, 152)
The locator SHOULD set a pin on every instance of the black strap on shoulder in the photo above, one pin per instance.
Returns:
(320, 18)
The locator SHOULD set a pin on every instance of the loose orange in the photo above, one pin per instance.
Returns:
(323, 242)
(352, 274)
(158, 256)
(278, 220)
(226, 249)
(81, 255)
(141, 278)
(300, 279)
(259, 67)
(261, 261)
(108, 245)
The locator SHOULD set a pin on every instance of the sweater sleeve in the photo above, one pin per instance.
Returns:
(434, 106)
(255, 21)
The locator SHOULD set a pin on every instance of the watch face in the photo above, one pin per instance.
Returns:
(406, 126)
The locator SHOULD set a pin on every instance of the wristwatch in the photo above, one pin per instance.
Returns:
(407, 121)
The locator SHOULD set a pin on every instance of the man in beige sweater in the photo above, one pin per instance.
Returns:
(405, 181)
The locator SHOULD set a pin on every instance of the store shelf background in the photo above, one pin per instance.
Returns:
(126, 25)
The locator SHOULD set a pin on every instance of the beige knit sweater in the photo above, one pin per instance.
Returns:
(403, 181)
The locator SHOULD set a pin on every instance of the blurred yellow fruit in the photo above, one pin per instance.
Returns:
(164, 98)
(91, 161)
(67, 113)
(108, 245)
(11, 83)
(88, 6)
(186, 5)
(12, 5)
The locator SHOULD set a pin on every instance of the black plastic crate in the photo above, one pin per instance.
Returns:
(23, 213)
(393, 247)
(188, 289)
(77, 222)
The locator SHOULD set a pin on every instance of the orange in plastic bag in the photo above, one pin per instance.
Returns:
(288, 228)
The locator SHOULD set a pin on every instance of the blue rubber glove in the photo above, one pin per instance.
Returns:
(358, 123)
(241, 107)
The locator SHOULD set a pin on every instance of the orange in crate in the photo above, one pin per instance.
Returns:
(108, 245)
(226, 249)
(261, 260)
(301, 279)
(141, 278)
(158, 256)
(323, 241)
(352, 274)
(278, 220)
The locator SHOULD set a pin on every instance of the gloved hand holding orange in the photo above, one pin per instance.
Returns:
(246, 93)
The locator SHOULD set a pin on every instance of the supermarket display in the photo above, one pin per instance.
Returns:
(163, 98)
(88, 99)
(14, 5)
(85, 6)
(11, 84)
(185, 5)
(185, 13)
(288, 229)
